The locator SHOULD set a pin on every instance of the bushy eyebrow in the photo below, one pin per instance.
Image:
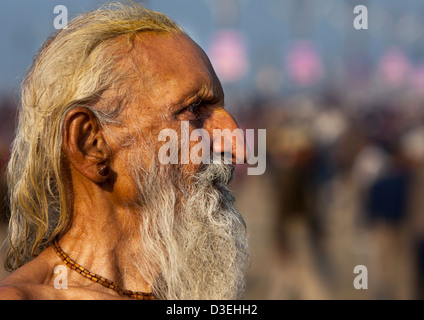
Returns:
(205, 96)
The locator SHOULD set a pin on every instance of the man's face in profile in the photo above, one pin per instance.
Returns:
(176, 83)
(194, 233)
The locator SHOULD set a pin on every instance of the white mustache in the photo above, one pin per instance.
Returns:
(216, 174)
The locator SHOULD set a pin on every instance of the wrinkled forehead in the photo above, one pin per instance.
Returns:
(173, 65)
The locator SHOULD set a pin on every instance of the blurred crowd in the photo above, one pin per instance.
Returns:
(343, 187)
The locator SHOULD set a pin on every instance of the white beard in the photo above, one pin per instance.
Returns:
(193, 242)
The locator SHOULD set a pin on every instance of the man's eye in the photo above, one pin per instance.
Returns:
(192, 108)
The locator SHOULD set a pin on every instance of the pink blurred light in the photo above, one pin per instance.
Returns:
(228, 55)
(394, 67)
(304, 64)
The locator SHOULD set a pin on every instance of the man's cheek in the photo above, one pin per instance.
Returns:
(125, 188)
(185, 145)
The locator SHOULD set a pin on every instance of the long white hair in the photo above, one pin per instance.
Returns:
(73, 68)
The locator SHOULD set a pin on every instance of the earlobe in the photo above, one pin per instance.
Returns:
(84, 145)
(103, 170)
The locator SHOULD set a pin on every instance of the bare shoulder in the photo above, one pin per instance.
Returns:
(12, 292)
(15, 285)
(21, 284)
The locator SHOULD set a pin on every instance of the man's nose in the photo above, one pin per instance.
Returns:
(227, 138)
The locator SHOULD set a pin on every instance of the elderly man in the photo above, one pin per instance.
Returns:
(86, 188)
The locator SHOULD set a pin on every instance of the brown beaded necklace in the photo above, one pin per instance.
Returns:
(99, 279)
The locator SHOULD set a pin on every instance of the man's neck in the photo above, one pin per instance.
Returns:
(102, 240)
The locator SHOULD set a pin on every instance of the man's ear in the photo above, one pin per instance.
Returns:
(84, 145)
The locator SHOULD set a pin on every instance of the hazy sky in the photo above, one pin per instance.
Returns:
(25, 25)
(270, 26)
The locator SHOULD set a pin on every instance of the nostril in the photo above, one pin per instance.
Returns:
(230, 144)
